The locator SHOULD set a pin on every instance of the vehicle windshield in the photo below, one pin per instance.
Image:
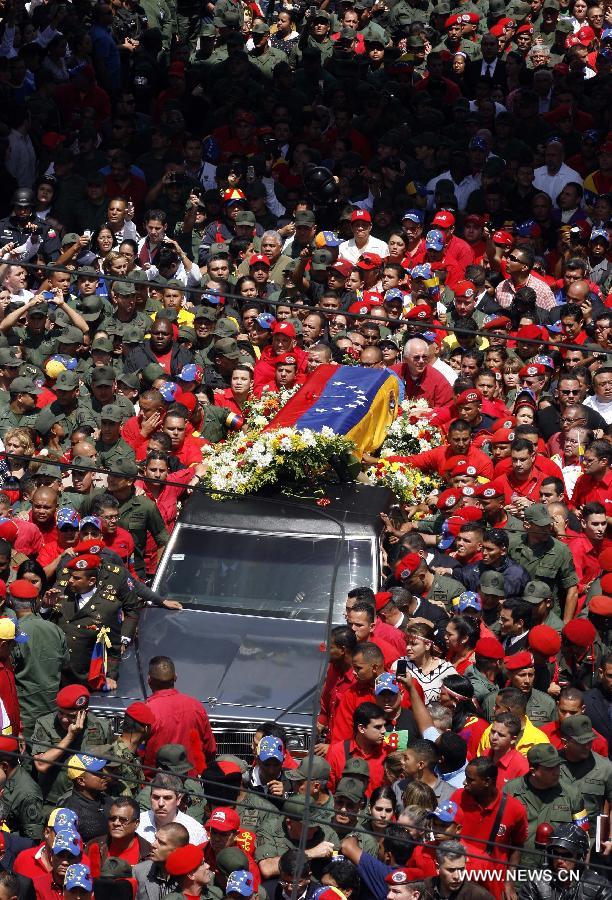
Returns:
(265, 574)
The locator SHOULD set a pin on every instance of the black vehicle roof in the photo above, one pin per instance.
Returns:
(356, 506)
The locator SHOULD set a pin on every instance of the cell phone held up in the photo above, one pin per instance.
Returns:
(402, 668)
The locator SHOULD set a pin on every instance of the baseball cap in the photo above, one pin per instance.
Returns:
(578, 728)
(351, 788)
(270, 747)
(386, 682)
(223, 818)
(67, 517)
(537, 514)
(536, 591)
(78, 876)
(544, 755)
(492, 583)
(23, 385)
(319, 770)
(361, 215)
(445, 812)
(80, 763)
(414, 215)
(67, 839)
(443, 219)
(434, 240)
(240, 882)
(9, 632)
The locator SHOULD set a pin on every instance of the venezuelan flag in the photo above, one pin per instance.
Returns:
(359, 403)
(96, 677)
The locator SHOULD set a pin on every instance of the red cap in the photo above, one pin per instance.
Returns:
(507, 421)
(74, 696)
(503, 238)
(470, 513)
(223, 818)
(421, 311)
(580, 632)
(489, 648)
(491, 489)
(465, 289)
(141, 713)
(497, 322)
(285, 359)
(517, 661)
(382, 598)
(605, 559)
(448, 498)
(470, 395)
(284, 328)
(229, 768)
(186, 399)
(369, 261)
(22, 589)
(443, 218)
(8, 744)
(8, 531)
(502, 436)
(572, 40)
(89, 545)
(343, 267)
(259, 258)
(530, 332)
(359, 308)
(545, 640)
(84, 561)
(475, 219)
(600, 605)
(585, 35)
(606, 582)
(184, 860)
(462, 467)
(453, 524)
(532, 369)
(407, 565)
(374, 298)
(360, 215)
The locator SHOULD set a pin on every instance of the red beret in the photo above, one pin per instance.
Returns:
(89, 545)
(507, 421)
(489, 648)
(499, 27)
(448, 498)
(525, 29)
(489, 490)
(606, 582)
(545, 640)
(229, 768)
(530, 332)
(465, 289)
(605, 559)
(382, 598)
(8, 744)
(471, 513)
(84, 561)
(420, 311)
(580, 632)
(22, 589)
(184, 860)
(407, 565)
(470, 395)
(141, 713)
(8, 531)
(74, 696)
(502, 436)
(585, 35)
(496, 322)
(600, 605)
(463, 467)
(517, 661)
(453, 20)
(453, 524)
(532, 369)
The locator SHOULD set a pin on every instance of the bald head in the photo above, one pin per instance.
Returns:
(162, 673)
(578, 291)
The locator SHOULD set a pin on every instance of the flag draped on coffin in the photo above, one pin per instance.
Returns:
(359, 403)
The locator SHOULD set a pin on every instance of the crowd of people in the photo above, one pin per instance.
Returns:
(202, 203)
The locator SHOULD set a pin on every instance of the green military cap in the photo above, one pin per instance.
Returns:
(124, 288)
(111, 413)
(321, 259)
(231, 859)
(492, 583)
(130, 379)
(415, 42)
(41, 309)
(70, 238)
(24, 386)
(9, 359)
(102, 345)
(291, 266)
(348, 34)
(71, 335)
(152, 372)
(103, 375)
(294, 806)
(518, 9)
(208, 31)
(138, 276)
(225, 328)
(322, 14)
(105, 751)
(537, 514)
(351, 788)
(173, 758)
(48, 471)
(171, 315)
(260, 28)
(114, 867)
(132, 335)
(536, 591)
(319, 770)
(372, 36)
(305, 217)
(227, 347)
(551, 4)
(578, 728)
(67, 381)
(125, 468)
(176, 284)
(185, 333)
(220, 248)
(204, 312)
(86, 462)
(87, 272)
(355, 766)
(443, 8)
(230, 16)
(246, 217)
(228, 757)
(91, 307)
(564, 26)
(544, 755)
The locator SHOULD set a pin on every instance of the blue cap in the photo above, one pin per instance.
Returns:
(447, 540)
(555, 327)
(590, 135)
(445, 812)
(67, 839)
(67, 517)
(478, 143)
(70, 362)
(265, 320)
(606, 33)
(212, 296)
(210, 150)
(168, 390)
(394, 294)
(191, 372)
(525, 229)
(63, 819)
(386, 682)
(331, 240)
(91, 763)
(91, 520)
(421, 271)
(429, 336)
(78, 876)
(467, 600)
(599, 233)
(270, 747)
(544, 361)
(554, 139)
(434, 240)
(415, 215)
(240, 882)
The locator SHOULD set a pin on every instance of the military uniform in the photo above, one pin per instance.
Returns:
(445, 589)
(257, 814)
(129, 776)
(276, 841)
(126, 406)
(47, 733)
(24, 801)
(108, 455)
(10, 419)
(593, 778)
(11, 232)
(483, 688)
(582, 673)
(550, 562)
(541, 707)
(266, 62)
(69, 419)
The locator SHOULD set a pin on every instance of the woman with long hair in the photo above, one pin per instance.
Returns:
(462, 633)
(457, 695)
(423, 663)
(18, 441)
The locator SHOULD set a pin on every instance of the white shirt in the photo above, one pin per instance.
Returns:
(147, 827)
(82, 599)
(462, 190)
(349, 249)
(554, 184)
(444, 369)
(488, 68)
(604, 409)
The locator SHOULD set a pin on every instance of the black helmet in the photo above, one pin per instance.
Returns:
(320, 184)
(570, 837)
(23, 197)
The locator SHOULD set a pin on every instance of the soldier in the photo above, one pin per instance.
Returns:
(321, 840)
(263, 55)
(23, 224)
(20, 412)
(541, 707)
(539, 595)
(589, 772)
(136, 729)
(545, 798)
(60, 734)
(110, 446)
(413, 572)
(103, 381)
(21, 794)
(66, 411)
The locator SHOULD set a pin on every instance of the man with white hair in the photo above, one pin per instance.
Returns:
(271, 245)
(421, 379)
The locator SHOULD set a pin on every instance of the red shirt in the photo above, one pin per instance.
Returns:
(349, 701)
(390, 635)
(29, 538)
(478, 821)
(589, 490)
(226, 399)
(529, 488)
(432, 385)
(436, 460)
(178, 719)
(553, 732)
(51, 551)
(265, 368)
(48, 532)
(586, 558)
(121, 543)
(166, 502)
(338, 754)
(336, 682)
(471, 733)
(163, 360)
(512, 765)
(30, 862)
(8, 695)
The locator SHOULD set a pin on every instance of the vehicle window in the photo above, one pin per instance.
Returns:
(277, 575)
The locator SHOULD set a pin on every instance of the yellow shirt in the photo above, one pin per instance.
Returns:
(184, 317)
(529, 737)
